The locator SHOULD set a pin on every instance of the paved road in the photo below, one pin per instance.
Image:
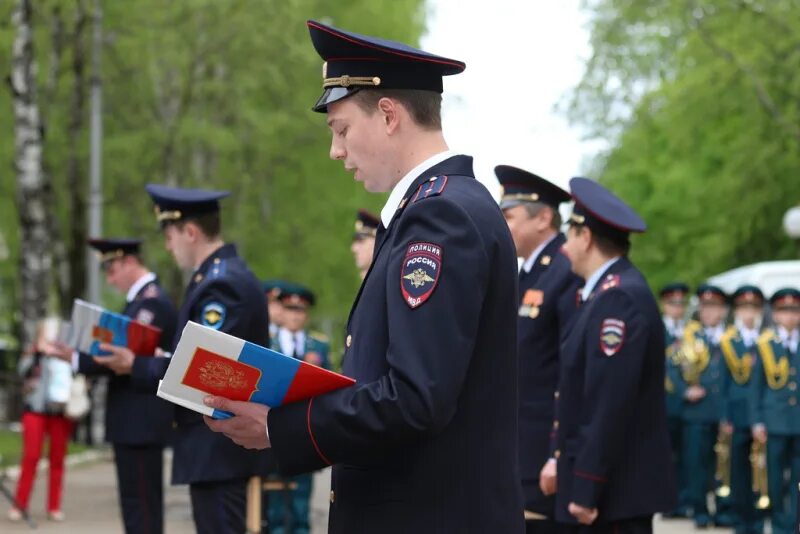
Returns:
(90, 505)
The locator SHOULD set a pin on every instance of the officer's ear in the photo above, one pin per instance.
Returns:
(390, 110)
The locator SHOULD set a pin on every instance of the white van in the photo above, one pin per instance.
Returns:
(768, 276)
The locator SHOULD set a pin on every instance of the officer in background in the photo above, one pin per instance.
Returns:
(138, 424)
(426, 440)
(738, 345)
(224, 295)
(363, 244)
(272, 291)
(701, 389)
(776, 414)
(611, 429)
(547, 288)
(289, 512)
(673, 298)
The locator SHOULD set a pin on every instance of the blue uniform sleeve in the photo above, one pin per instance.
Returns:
(617, 337)
(427, 357)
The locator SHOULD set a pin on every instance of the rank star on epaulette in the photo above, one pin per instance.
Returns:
(612, 336)
(422, 266)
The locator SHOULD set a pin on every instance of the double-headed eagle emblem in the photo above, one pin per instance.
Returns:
(419, 278)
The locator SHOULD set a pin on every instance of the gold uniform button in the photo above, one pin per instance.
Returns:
(198, 277)
(555, 395)
(216, 260)
(348, 341)
(792, 386)
(333, 497)
(557, 454)
(792, 401)
(555, 425)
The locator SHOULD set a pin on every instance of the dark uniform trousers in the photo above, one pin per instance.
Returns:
(140, 475)
(225, 295)
(138, 424)
(426, 441)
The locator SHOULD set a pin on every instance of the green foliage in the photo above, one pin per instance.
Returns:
(701, 100)
(212, 93)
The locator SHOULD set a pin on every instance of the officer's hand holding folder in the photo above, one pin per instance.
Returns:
(209, 362)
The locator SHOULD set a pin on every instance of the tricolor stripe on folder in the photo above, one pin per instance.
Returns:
(209, 362)
(92, 325)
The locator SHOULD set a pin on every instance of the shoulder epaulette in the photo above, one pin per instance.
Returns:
(151, 291)
(433, 187)
(217, 269)
(609, 282)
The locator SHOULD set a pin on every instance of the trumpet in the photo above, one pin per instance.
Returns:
(758, 463)
(723, 472)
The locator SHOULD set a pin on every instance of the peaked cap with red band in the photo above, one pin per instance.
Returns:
(354, 62)
(603, 211)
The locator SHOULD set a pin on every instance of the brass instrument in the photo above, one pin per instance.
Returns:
(723, 472)
(693, 355)
(758, 462)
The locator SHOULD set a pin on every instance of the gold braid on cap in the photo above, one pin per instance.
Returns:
(167, 215)
(347, 81)
(111, 255)
(577, 219)
(532, 197)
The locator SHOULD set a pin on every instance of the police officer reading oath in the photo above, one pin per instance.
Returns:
(547, 288)
(222, 294)
(426, 441)
(138, 424)
(612, 443)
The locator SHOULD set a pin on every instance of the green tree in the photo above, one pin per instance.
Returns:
(202, 93)
(700, 100)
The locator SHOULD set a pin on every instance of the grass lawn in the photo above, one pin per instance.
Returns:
(11, 447)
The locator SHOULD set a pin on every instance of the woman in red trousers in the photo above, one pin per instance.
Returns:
(43, 416)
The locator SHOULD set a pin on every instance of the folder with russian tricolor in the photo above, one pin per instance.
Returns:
(91, 325)
(209, 362)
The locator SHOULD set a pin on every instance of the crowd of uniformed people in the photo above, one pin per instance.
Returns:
(550, 396)
(731, 389)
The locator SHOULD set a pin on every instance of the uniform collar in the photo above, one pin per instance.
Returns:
(227, 250)
(673, 325)
(591, 282)
(138, 285)
(714, 333)
(528, 265)
(790, 339)
(399, 190)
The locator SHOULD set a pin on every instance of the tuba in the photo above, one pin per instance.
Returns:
(758, 462)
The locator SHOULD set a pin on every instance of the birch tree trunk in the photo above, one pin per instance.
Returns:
(32, 186)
